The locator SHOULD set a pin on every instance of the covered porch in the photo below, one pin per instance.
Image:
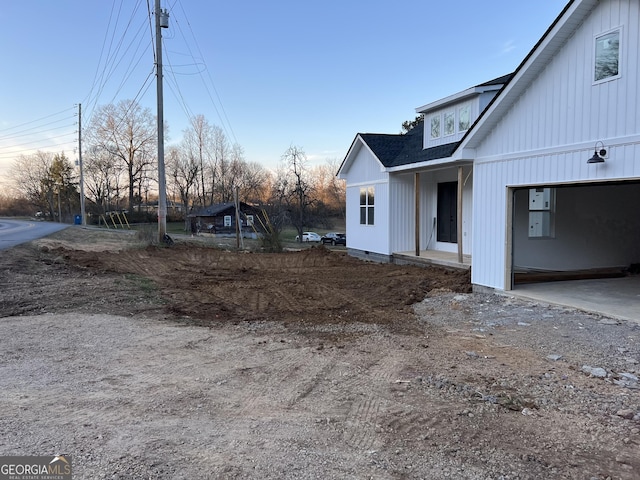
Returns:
(433, 257)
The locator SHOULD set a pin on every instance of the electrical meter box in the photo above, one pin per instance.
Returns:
(542, 206)
(541, 199)
(540, 224)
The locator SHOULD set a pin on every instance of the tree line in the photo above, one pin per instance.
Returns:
(204, 168)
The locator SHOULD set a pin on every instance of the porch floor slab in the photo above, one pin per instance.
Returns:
(435, 257)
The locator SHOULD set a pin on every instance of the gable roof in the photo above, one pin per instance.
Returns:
(562, 28)
(218, 208)
(398, 150)
(404, 149)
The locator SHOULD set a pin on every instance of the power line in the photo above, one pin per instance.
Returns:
(223, 117)
(30, 131)
(36, 120)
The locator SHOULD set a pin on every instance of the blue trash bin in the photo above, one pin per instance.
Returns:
(78, 220)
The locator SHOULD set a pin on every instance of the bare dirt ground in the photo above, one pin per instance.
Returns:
(197, 362)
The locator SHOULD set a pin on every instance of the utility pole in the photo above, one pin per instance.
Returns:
(82, 208)
(162, 21)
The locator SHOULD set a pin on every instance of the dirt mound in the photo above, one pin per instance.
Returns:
(315, 285)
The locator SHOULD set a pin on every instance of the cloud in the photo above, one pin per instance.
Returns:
(507, 47)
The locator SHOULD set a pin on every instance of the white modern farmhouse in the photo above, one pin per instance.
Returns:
(534, 173)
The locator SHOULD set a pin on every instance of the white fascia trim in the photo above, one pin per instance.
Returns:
(458, 97)
(348, 161)
(367, 183)
(430, 165)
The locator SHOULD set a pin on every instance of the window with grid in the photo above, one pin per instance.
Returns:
(367, 205)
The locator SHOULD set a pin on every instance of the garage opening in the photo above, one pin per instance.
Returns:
(570, 232)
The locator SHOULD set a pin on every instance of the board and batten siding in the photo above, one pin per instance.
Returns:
(402, 216)
(443, 139)
(492, 179)
(547, 135)
(402, 213)
(563, 107)
(365, 171)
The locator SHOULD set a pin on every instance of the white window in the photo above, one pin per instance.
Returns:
(367, 205)
(607, 56)
(449, 123)
(464, 118)
(227, 220)
(435, 126)
(250, 220)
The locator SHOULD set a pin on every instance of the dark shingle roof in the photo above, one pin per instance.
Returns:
(214, 210)
(398, 150)
(497, 81)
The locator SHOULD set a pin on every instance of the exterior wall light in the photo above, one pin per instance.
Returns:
(598, 155)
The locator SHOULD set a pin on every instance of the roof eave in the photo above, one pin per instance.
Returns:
(437, 164)
(556, 35)
(458, 97)
(358, 142)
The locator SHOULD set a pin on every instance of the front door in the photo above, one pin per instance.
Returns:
(447, 211)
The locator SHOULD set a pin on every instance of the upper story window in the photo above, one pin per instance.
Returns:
(366, 205)
(449, 123)
(435, 126)
(607, 56)
(464, 118)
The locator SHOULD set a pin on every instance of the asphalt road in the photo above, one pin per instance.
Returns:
(15, 232)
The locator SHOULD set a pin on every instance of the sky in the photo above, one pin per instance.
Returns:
(270, 74)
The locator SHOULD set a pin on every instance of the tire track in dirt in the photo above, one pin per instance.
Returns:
(362, 417)
(281, 382)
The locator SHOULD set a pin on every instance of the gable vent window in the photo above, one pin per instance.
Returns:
(607, 56)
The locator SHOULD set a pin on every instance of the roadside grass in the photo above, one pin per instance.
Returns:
(143, 284)
(147, 234)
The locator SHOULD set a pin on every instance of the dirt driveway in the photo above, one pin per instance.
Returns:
(194, 362)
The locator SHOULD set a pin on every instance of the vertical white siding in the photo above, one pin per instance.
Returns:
(489, 227)
(364, 168)
(365, 171)
(490, 193)
(402, 217)
(549, 133)
(443, 139)
(563, 106)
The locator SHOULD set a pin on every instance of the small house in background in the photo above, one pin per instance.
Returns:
(220, 219)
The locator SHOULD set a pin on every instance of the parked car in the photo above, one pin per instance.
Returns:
(334, 238)
(308, 237)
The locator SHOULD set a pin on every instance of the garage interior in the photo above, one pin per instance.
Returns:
(579, 245)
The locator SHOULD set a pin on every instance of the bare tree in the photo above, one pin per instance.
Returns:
(183, 170)
(28, 173)
(222, 187)
(197, 145)
(47, 180)
(294, 188)
(331, 191)
(128, 133)
(102, 178)
(255, 183)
